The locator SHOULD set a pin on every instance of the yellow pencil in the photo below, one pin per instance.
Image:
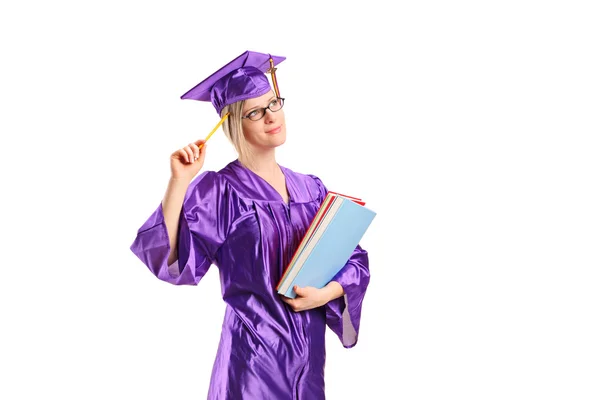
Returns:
(214, 129)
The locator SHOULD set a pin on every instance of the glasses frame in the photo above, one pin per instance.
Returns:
(263, 110)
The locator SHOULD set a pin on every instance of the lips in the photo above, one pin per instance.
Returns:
(274, 130)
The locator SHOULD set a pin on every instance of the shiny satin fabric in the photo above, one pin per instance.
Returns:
(237, 221)
(240, 79)
(242, 84)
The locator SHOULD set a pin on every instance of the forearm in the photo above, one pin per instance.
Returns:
(171, 204)
(333, 290)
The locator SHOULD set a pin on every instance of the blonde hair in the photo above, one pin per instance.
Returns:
(233, 128)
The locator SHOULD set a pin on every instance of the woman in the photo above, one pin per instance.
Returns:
(247, 219)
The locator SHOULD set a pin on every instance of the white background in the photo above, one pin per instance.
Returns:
(470, 127)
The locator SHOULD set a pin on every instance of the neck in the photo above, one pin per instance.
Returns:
(263, 164)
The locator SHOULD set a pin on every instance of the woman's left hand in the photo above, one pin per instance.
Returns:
(309, 297)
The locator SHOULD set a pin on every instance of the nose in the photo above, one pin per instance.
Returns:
(269, 117)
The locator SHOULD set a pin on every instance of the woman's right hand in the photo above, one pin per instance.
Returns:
(187, 161)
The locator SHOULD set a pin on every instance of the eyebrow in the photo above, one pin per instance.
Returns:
(254, 108)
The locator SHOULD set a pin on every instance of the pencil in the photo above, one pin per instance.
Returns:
(214, 129)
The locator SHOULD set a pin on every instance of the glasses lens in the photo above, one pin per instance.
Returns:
(257, 114)
(276, 104)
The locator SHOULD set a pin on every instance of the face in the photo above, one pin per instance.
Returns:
(269, 131)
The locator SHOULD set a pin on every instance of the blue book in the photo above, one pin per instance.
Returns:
(334, 233)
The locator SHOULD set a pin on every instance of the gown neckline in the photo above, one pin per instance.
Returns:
(271, 188)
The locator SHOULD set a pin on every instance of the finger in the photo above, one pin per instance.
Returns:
(200, 143)
(190, 153)
(298, 306)
(299, 291)
(293, 305)
(195, 150)
(183, 155)
(291, 302)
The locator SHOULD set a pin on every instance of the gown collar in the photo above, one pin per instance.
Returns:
(255, 187)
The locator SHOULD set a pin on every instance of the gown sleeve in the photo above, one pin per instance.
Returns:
(343, 313)
(203, 227)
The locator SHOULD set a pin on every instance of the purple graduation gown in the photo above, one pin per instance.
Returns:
(237, 221)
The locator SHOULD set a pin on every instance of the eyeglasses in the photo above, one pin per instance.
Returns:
(258, 113)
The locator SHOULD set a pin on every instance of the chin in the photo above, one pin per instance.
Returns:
(275, 145)
(280, 140)
(277, 140)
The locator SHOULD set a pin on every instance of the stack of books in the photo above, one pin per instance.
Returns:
(337, 228)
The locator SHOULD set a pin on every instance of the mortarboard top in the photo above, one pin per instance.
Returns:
(241, 79)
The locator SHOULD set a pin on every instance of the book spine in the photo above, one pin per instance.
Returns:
(311, 228)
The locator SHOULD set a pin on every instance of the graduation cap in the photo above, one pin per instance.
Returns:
(240, 79)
